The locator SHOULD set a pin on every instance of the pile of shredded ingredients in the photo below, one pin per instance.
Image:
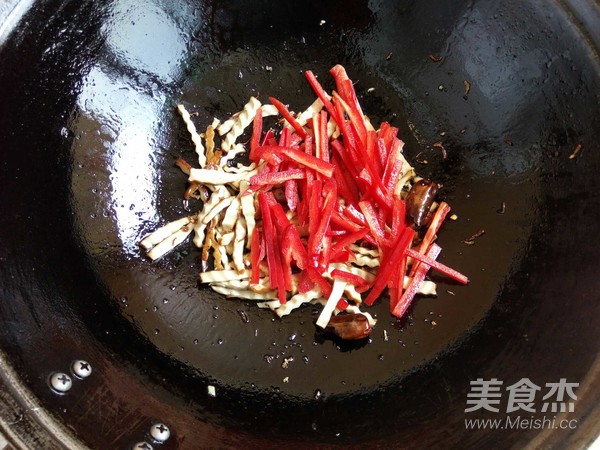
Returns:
(326, 210)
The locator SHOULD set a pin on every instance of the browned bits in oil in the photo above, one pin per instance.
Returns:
(467, 87)
(508, 141)
(576, 151)
(435, 58)
(471, 240)
(420, 159)
(442, 148)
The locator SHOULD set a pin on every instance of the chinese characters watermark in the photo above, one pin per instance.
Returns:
(486, 394)
(524, 395)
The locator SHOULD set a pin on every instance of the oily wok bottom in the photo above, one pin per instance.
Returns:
(89, 136)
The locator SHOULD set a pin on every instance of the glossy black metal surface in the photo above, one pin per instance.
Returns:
(88, 135)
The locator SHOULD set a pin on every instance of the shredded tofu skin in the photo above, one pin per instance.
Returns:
(229, 215)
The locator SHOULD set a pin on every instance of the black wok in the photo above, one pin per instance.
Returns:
(88, 135)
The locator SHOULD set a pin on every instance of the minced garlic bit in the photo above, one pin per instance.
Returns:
(212, 391)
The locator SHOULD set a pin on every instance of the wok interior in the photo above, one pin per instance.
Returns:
(89, 138)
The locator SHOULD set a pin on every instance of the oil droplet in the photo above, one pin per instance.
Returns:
(195, 341)
(165, 301)
(219, 341)
(318, 394)
(155, 308)
(156, 331)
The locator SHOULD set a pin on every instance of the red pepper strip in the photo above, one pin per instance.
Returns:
(314, 197)
(348, 277)
(291, 194)
(393, 157)
(350, 238)
(278, 216)
(348, 136)
(306, 186)
(345, 158)
(255, 256)
(391, 178)
(293, 248)
(323, 135)
(320, 281)
(356, 119)
(323, 96)
(268, 135)
(345, 223)
(373, 152)
(396, 284)
(284, 137)
(383, 127)
(382, 152)
(398, 218)
(256, 133)
(400, 308)
(347, 189)
(271, 140)
(456, 276)
(342, 305)
(273, 259)
(325, 254)
(438, 218)
(288, 116)
(362, 158)
(268, 153)
(310, 161)
(295, 141)
(376, 227)
(305, 284)
(389, 262)
(308, 145)
(345, 87)
(271, 178)
(341, 256)
(322, 218)
(349, 94)
(351, 212)
(375, 189)
(388, 137)
(339, 75)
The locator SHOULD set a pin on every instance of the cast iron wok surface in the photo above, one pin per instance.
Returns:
(89, 135)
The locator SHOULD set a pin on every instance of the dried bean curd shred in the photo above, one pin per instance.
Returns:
(321, 213)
